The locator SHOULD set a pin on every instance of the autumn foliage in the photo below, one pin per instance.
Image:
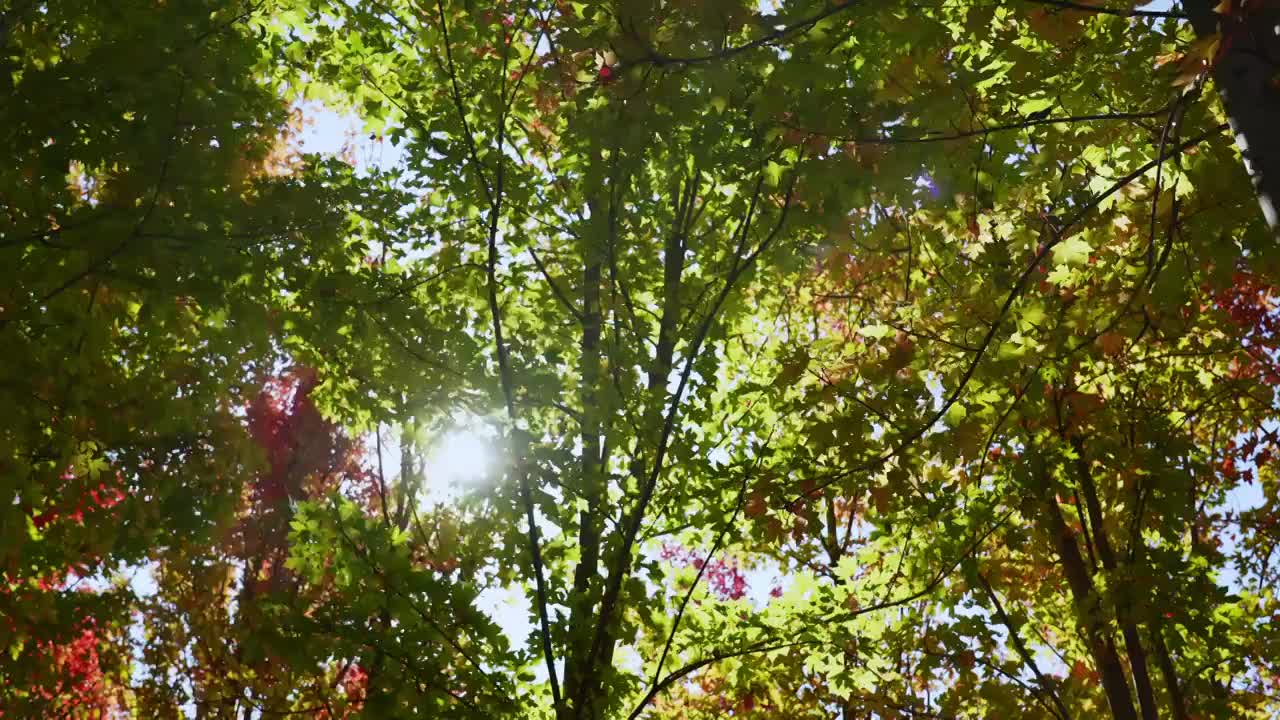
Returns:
(680, 360)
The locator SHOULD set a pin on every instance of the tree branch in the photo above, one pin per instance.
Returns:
(636, 518)
(933, 136)
(494, 196)
(766, 646)
(1021, 647)
(715, 547)
(555, 287)
(1059, 234)
(1081, 7)
(653, 57)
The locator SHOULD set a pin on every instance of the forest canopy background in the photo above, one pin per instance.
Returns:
(822, 359)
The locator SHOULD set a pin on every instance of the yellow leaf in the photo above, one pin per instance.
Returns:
(1205, 48)
(1198, 58)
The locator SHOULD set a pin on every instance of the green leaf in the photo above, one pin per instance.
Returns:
(1072, 251)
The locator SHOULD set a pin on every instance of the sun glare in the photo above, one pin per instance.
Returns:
(462, 456)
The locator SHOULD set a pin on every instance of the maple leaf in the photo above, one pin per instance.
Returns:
(1072, 251)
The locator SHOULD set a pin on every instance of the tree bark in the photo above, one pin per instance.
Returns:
(1114, 682)
(1170, 673)
(1124, 613)
(1245, 73)
(658, 374)
(587, 573)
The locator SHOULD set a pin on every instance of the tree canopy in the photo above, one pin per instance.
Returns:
(810, 359)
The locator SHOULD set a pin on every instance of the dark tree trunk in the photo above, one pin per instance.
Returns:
(1170, 673)
(1103, 648)
(1245, 73)
(1128, 626)
(587, 573)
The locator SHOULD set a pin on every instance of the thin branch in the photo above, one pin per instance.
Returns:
(102, 262)
(555, 287)
(1021, 647)
(766, 646)
(933, 136)
(653, 57)
(1119, 12)
(467, 135)
(1116, 187)
(412, 285)
(382, 478)
(636, 518)
(715, 547)
(681, 672)
(495, 198)
(449, 637)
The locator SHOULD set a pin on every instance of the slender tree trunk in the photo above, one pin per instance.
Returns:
(672, 271)
(1245, 73)
(411, 478)
(1138, 663)
(1114, 682)
(587, 573)
(659, 372)
(1170, 673)
(1124, 612)
(832, 539)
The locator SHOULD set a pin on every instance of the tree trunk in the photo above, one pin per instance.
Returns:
(1245, 74)
(1167, 669)
(1124, 613)
(586, 700)
(586, 575)
(1114, 682)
